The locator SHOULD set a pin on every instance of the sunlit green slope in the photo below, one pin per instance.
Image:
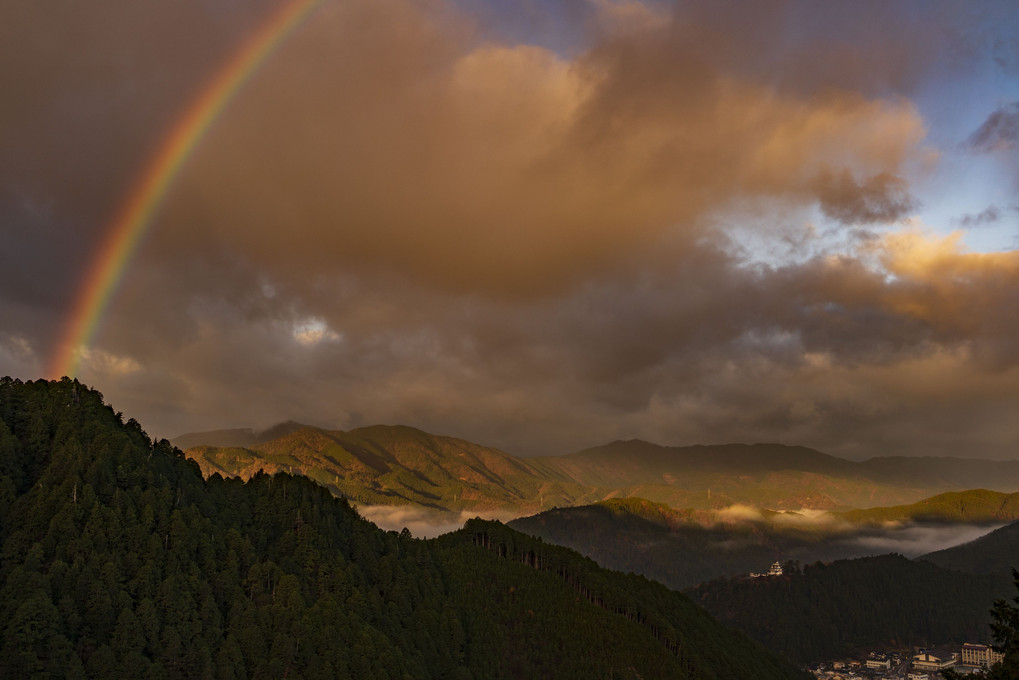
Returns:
(396, 465)
(399, 465)
(974, 505)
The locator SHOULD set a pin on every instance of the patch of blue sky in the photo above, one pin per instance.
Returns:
(562, 26)
(967, 189)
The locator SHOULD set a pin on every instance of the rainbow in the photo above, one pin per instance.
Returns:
(136, 213)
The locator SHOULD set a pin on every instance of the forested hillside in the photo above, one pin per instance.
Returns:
(683, 548)
(120, 560)
(832, 609)
(994, 553)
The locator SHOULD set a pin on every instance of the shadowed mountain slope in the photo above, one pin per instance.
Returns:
(994, 553)
(684, 548)
(836, 609)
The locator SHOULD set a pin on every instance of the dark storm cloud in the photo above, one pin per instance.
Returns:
(88, 88)
(826, 353)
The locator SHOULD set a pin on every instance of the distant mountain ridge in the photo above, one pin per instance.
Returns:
(782, 476)
(394, 465)
(397, 465)
(974, 505)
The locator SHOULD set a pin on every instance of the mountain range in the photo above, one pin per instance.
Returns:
(706, 516)
(121, 560)
(397, 465)
(121, 557)
(394, 465)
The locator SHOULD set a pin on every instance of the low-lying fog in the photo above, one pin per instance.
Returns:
(424, 522)
(913, 540)
(909, 539)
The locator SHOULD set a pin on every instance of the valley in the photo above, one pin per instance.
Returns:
(885, 553)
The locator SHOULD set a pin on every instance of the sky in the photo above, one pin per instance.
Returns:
(536, 225)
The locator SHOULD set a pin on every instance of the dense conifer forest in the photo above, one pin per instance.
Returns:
(834, 609)
(993, 553)
(120, 560)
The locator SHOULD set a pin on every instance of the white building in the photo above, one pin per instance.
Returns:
(928, 661)
(879, 662)
(776, 570)
(979, 655)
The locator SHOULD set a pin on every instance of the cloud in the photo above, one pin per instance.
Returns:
(882, 198)
(987, 216)
(15, 350)
(509, 170)
(913, 540)
(423, 522)
(98, 361)
(999, 132)
(413, 215)
(313, 331)
(908, 347)
(402, 139)
(739, 513)
(998, 136)
(810, 517)
(959, 296)
(620, 17)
